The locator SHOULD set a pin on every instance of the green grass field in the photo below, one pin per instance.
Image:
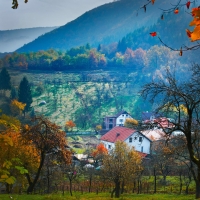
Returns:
(100, 196)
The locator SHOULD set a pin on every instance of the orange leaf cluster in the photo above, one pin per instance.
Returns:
(100, 150)
(70, 124)
(176, 11)
(195, 34)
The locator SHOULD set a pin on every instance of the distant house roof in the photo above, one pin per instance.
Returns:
(119, 133)
(118, 114)
(155, 134)
(146, 115)
(143, 155)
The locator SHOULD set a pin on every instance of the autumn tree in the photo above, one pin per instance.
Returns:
(16, 152)
(24, 94)
(16, 107)
(69, 125)
(99, 152)
(47, 137)
(131, 123)
(121, 165)
(180, 92)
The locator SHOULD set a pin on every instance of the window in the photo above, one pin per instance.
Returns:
(130, 139)
(109, 146)
(135, 138)
(121, 120)
(111, 120)
(140, 139)
(122, 115)
(110, 126)
(141, 148)
(127, 115)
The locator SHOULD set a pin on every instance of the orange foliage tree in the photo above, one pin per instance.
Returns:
(47, 138)
(15, 152)
(99, 152)
(70, 125)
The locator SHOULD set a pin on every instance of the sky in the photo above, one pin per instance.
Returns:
(43, 13)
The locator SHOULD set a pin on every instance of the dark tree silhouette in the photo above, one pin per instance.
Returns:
(24, 94)
(5, 80)
(181, 99)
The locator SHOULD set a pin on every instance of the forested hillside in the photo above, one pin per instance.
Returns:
(104, 24)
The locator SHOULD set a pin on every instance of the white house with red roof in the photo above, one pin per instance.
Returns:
(131, 137)
(116, 120)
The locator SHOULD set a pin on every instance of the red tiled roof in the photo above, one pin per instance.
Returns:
(143, 155)
(117, 133)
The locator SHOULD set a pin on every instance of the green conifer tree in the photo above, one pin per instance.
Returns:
(5, 83)
(24, 94)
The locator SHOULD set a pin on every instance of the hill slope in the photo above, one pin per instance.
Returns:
(104, 24)
(10, 40)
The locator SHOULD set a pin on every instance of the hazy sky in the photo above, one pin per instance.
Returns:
(43, 13)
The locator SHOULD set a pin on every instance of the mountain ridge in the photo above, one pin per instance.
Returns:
(111, 20)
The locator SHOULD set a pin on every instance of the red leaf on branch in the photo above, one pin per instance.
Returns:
(181, 52)
(189, 33)
(153, 34)
(188, 4)
(176, 11)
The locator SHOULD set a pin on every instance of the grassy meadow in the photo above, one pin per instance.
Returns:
(93, 196)
(84, 97)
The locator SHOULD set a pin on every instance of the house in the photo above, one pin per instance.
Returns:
(154, 134)
(131, 137)
(115, 120)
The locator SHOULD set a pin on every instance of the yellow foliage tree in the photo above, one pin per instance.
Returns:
(130, 123)
(15, 152)
(17, 107)
(121, 165)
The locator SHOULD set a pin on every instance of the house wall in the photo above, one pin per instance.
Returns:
(108, 145)
(121, 119)
(143, 146)
(108, 123)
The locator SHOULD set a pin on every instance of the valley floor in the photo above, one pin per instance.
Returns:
(100, 196)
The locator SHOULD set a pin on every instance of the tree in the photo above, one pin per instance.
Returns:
(47, 138)
(170, 91)
(121, 165)
(70, 125)
(130, 123)
(193, 35)
(15, 152)
(16, 107)
(99, 152)
(24, 94)
(5, 83)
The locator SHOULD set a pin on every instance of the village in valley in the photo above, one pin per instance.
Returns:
(100, 99)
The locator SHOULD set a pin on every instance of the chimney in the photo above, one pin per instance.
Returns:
(117, 134)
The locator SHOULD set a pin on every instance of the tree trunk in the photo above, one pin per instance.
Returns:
(70, 187)
(154, 173)
(90, 183)
(32, 184)
(198, 189)
(117, 189)
(181, 184)
(122, 189)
